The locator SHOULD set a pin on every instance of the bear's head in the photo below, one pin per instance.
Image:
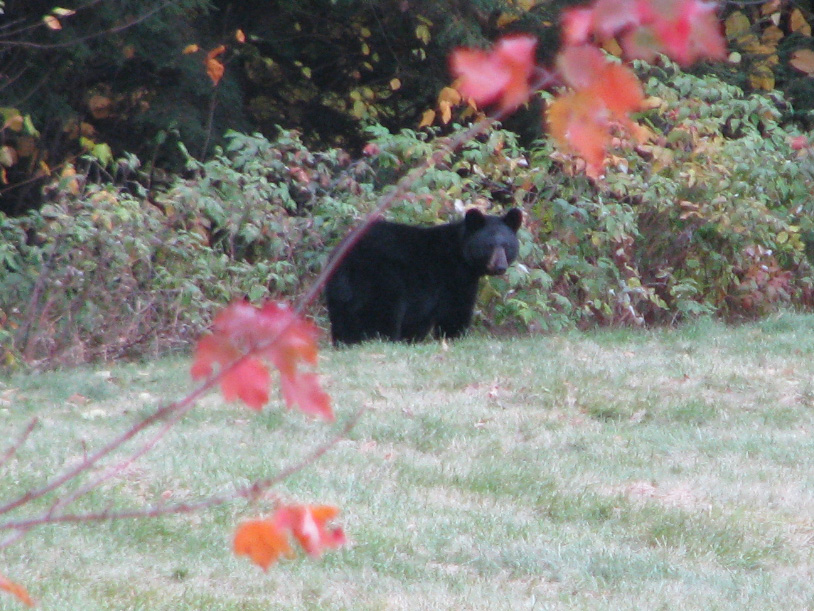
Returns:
(490, 242)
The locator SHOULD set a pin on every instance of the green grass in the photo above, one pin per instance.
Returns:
(669, 469)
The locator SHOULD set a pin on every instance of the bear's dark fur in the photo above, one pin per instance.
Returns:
(401, 282)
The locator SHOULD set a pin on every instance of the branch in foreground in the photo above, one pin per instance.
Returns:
(20, 441)
(251, 493)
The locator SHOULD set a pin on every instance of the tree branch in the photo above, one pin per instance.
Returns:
(250, 493)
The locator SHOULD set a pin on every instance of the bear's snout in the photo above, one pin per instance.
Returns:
(497, 262)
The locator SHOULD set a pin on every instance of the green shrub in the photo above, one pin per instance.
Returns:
(102, 273)
(712, 214)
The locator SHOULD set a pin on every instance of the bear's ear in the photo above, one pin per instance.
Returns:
(474, 220)
(513, 218)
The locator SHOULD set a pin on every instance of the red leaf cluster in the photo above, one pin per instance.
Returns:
(685, 30)
(264, 541)
(498, 76)
(244, 338)
(602, 93)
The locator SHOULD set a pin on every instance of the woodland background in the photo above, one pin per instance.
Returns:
(160, 158)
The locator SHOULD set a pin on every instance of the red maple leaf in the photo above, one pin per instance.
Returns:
(685, 30)
(265, 540)
(307, 525)
(498, 76)
(579, 122)
(603, 92)
(262, 541)
(242, 335)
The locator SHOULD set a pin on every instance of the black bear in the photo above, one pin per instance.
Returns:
(401, 282)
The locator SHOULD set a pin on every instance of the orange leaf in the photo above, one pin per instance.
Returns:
(15, 589)
(798, 23)
(803, 60)
(580, 66)
(275, 333)
(307, 524)
(427, 118)
(498, 76)
(577, 25)
(579, 122)
(240, 36)
(214, 68)
(262, 541)
(619, 90)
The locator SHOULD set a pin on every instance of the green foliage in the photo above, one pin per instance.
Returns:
(105, 273)
(685, 223)
(711, 215)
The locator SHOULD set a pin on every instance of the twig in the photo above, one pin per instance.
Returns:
(183, 406)
(68, 43)
(248, 492)
(116, 469)
(20, 441)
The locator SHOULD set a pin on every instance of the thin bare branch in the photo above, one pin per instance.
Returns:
(75, 41)
(248, 492)
(161, 413)
(19, 442)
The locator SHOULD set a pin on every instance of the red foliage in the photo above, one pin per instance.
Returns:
(243, 337)
(498, 76)
(604, 93)
(264, 541)
(685, 30)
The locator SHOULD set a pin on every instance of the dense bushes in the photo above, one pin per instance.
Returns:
(101, 272)
(711, 214)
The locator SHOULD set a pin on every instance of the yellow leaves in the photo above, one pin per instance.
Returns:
(427, 118)
(448, 99)
(240, 36)
(422, 30)
(8, 156)
(771, 36)
(803, 60)
(395, 84)
(14, 120)
(52, 22)
(15, 589)
(190, 49)
(798, 23)
(736, 25)
(761, 76)
(68, 178)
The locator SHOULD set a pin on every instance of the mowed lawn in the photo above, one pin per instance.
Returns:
(621, 469)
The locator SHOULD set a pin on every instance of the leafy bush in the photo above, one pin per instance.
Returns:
(711, 215)
(101, 272)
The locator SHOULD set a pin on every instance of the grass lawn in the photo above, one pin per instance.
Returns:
(668, 469)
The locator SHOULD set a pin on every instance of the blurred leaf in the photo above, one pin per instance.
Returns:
(803, 60)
